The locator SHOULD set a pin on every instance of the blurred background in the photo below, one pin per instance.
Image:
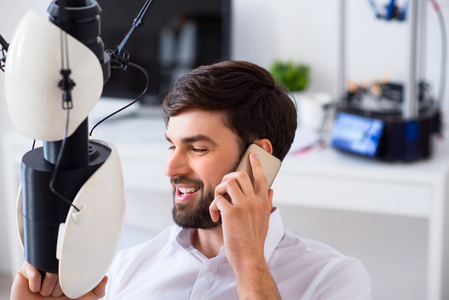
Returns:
(395, 241)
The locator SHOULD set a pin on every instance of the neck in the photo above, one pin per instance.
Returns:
(208, 241)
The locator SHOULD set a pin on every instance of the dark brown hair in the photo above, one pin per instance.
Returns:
(255, 106)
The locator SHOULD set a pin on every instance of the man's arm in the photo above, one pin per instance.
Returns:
(28, 285)
(245, 226)
(254, 281)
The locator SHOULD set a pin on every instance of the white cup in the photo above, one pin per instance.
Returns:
(311, 109)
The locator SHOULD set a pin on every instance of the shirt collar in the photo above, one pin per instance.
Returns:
(274, 235)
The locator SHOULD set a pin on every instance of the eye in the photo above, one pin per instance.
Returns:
(199, 150)
(171, 148)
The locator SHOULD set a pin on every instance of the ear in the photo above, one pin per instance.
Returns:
(265, 144)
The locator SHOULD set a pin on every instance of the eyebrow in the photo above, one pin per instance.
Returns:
(195, 138)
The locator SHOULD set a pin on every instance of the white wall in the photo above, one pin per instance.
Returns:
(307, 31)
(301, 30)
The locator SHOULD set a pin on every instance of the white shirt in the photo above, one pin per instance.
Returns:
(169, 267)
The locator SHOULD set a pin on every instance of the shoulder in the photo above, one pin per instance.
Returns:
(298, 247)
(343, 278)
(320, 271)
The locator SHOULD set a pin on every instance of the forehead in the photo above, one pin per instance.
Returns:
(194, 122)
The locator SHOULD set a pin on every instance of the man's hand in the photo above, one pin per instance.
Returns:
(28, 285)
(245, 219)
(245, 225)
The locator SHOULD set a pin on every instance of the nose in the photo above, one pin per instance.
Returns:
(177, 164)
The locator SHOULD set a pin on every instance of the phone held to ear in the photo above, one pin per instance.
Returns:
(270, 164)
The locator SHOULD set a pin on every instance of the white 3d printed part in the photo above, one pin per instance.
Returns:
(88, 239)
(32, 75)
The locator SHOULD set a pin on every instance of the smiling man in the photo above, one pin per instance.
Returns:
(220, 248)
(202, 152)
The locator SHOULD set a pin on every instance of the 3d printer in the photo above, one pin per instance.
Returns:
(391, 121)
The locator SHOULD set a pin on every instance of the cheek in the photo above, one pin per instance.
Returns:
(212, 177)
(212, 169)
(212, 174)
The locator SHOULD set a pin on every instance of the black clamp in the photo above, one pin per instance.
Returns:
(66, 84)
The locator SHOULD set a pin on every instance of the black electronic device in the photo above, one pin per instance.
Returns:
(388, 138)
(369, 122)
(178, 35)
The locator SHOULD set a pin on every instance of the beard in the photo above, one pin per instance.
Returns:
(198, 216)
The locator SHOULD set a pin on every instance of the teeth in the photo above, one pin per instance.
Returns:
(187, 190)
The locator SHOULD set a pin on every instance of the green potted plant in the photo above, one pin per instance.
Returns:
(294, 76)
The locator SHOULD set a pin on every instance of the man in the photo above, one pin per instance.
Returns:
(223, 249)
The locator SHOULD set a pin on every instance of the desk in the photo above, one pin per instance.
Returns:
(338, 181)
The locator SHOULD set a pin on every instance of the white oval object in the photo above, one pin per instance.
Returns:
(88, 240)
(32, 74)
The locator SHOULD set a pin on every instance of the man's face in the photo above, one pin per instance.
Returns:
(202, 151)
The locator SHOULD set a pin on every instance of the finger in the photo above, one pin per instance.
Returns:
(237, 183)
(33, 276)
(57, 291)
(100, 290)
(214, 211)
(219, 204)
(230, 187)
(260, 181)
(20, 288)
(270, 199)
(48, 284)
(270, 196)
(234, 175)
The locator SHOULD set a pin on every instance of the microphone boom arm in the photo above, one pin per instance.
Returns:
(119, 55)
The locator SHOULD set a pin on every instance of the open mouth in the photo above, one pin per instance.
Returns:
(187, 190)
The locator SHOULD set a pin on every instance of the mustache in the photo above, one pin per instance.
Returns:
(185, 180)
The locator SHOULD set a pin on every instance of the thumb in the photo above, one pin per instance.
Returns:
(98, 292)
